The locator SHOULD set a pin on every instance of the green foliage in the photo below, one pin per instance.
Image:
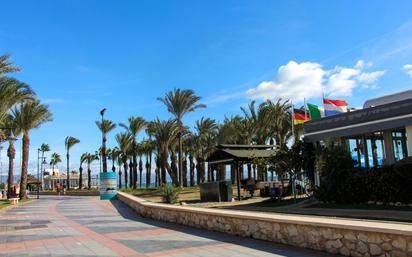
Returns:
(170, 193)
(340, 182)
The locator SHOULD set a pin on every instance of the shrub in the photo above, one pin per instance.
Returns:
(170, 193)
(340, 182)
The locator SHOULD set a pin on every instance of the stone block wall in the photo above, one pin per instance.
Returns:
(358, 239)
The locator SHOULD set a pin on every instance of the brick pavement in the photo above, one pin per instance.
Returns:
(86, 226)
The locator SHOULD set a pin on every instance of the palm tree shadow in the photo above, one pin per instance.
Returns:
(268, 247)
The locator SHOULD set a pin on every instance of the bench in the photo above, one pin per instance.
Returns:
(13, 201)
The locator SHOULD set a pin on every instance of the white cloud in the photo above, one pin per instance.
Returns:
(296, 81)
(408, 69)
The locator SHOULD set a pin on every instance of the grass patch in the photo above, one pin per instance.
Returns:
(5, 203)
(360, 207)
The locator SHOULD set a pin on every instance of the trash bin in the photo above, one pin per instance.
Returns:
(221, 191)
(275, 194)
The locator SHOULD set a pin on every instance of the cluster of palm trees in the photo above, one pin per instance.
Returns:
(20, 112)
(176, 152)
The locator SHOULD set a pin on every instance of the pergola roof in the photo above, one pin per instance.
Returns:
(225, 153)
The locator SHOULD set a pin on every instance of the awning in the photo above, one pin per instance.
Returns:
(384, 117)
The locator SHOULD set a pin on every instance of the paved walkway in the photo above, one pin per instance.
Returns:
(86, 226)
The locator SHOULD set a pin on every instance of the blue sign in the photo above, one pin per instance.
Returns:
(108, 185)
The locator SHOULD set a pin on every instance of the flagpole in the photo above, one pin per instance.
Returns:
(304, 106)
(293, 123)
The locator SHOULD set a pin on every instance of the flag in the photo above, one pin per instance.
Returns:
(333, 107)
(314, 111)
(299, 116)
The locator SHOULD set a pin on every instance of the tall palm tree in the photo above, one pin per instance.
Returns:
(206, 132)
(69, 142)
(124, 141)
(6, 66)
(29, 115)
(105, 127)
(54, 160)
(114, 153)
(89, 158)
(164, 133)
(179, 103)
(135, 125)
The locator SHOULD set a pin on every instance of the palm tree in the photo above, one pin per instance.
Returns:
(136, 124)
(69, 142)
(179, 103)
(124, 141)
(54, 160)
(89, 158)
(164, 133)
(105, 127)
(30, 115)
(114, 154)
(206, 132)
(6, 66)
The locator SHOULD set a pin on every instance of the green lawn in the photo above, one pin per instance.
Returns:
(5, 203)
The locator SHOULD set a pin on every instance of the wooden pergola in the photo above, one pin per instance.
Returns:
(240, 155)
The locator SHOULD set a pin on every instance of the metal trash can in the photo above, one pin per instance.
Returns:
(221, 191)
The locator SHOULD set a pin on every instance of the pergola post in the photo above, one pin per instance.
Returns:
(238, 179)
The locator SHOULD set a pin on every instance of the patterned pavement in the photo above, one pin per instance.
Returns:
(86, 226)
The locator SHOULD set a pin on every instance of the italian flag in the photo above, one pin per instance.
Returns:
(314, 111)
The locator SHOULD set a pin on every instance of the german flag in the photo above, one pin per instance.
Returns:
(299, 116)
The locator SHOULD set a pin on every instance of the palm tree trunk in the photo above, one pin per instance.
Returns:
(25, 163)
(198, 171)
(89, 177)
(202, 178)
(192, 171)
(148, 169)
(68, 171)
(185, 172)
(140, 172)
(209, 174)
(134, 184)
(11, 153)
(232, 173)
(131, 174)
(180, 160)
(120, 175)
(125, 172)
(104, 154)
(222, 172)
(80, 177)
(249, 171)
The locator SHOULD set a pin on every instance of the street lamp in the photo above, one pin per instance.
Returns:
(10, 178)
(103, 142)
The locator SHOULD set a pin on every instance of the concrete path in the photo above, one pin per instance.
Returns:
(86, 226)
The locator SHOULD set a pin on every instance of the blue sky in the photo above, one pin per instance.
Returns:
(80, 56)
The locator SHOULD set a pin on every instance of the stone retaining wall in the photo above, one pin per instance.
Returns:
(337, 236)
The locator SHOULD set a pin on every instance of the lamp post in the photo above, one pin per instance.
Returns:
(103, 142)
(10, 178)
